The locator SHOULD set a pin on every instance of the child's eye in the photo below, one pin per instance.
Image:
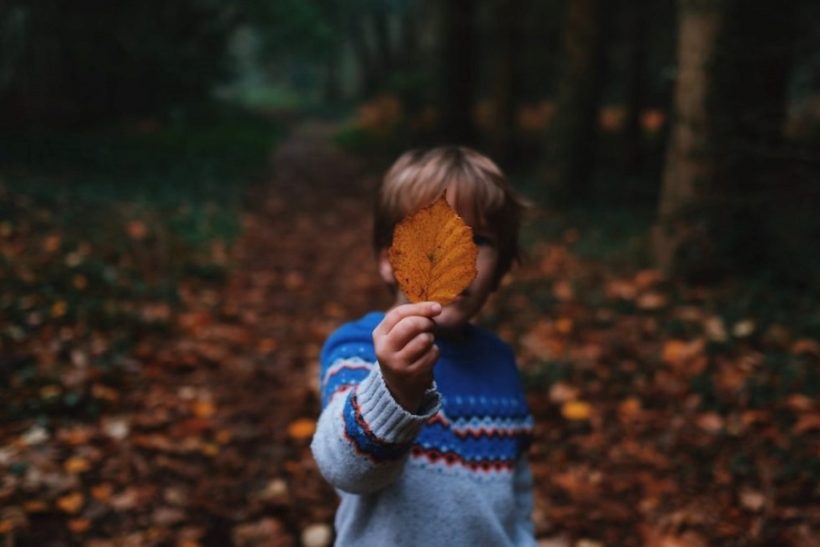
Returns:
(482, 240)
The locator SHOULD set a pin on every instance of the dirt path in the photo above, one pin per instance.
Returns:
(210, 444)
(303, 266)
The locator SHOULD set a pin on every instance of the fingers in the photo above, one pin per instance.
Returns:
(409, 329)
(426, 309)
(424, 364)
(416, 348)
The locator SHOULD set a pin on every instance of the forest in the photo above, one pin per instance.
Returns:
(186, 198)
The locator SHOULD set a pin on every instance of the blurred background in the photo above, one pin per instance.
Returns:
(185, 200)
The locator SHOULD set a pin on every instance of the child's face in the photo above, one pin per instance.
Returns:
(466, 305)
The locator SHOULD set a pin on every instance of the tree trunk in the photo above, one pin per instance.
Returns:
(408, 35)
(573, 136)
(459, 71)
(727, 159)
(363, 54)
(506, 84)
(690, 161)
(381, 31)
(332, 87)
(635, 77)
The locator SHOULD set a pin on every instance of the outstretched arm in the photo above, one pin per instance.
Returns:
(371, 418)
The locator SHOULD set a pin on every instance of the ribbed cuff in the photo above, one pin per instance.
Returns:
(387, 419)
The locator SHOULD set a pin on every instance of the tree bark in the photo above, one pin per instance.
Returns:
(635, 85)
(408, 35)
(381, 31)
(364, 56)
(690, 162)
(506, 84)
(727, 160)
(573, 139)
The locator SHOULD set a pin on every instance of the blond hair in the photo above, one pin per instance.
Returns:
(482, 194)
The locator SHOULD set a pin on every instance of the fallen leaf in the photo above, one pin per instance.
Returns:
(652, 301)
(752, 499)
(102, 492)
(806, 346)
(317, 535)
(629, 408)
(679, 352)
(711, 422)
(223, 436)
(35, 506)
(71, 503)
(563, 291)
(265, 531)
(204, 409)
(433, 254)
(266, 345)
(576, 410)
(715, 329)
(564, 325)
(76, 465)
(301, 429)
(51, 243)
(78, 526)
(744, 328)
(59, 309)
(561, 392)
(800, 403)
(79, 281)
(137, 230)
(100, 391)
(807, 422)
(36, 434)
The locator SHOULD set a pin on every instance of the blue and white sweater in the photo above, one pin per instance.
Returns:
(455, 474)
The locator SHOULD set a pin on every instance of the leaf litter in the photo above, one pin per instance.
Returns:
(660, 419)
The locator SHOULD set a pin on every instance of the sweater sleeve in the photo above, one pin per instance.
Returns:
(363, 436)
(523, 485)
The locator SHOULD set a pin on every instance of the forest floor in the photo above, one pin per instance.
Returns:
(661, 420)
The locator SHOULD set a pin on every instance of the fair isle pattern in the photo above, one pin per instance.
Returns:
(476, 443)
(484, 426)
(481, 443)
(481, 434)
(365, 442)
(343, 374)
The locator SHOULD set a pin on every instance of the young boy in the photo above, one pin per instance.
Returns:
(424, 424)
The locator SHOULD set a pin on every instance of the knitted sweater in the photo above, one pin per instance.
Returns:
(455, 474)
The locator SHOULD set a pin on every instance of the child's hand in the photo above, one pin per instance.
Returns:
(406, 353)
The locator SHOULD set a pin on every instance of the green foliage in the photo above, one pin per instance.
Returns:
(75, 62)
(296, 29)
(99, 230)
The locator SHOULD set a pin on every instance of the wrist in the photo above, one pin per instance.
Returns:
(410, 397)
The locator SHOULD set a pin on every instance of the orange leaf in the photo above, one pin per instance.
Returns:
(59, 308)
(576, 410)
(302, 428)
(35, 506)
(680, 352)
(433, 254)
(137, 230)
(102, 492)
(71, 503)
(564, 325)
(52, 243)
(204, 409)
(76, 465)
(78, 526)
(79, 281)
